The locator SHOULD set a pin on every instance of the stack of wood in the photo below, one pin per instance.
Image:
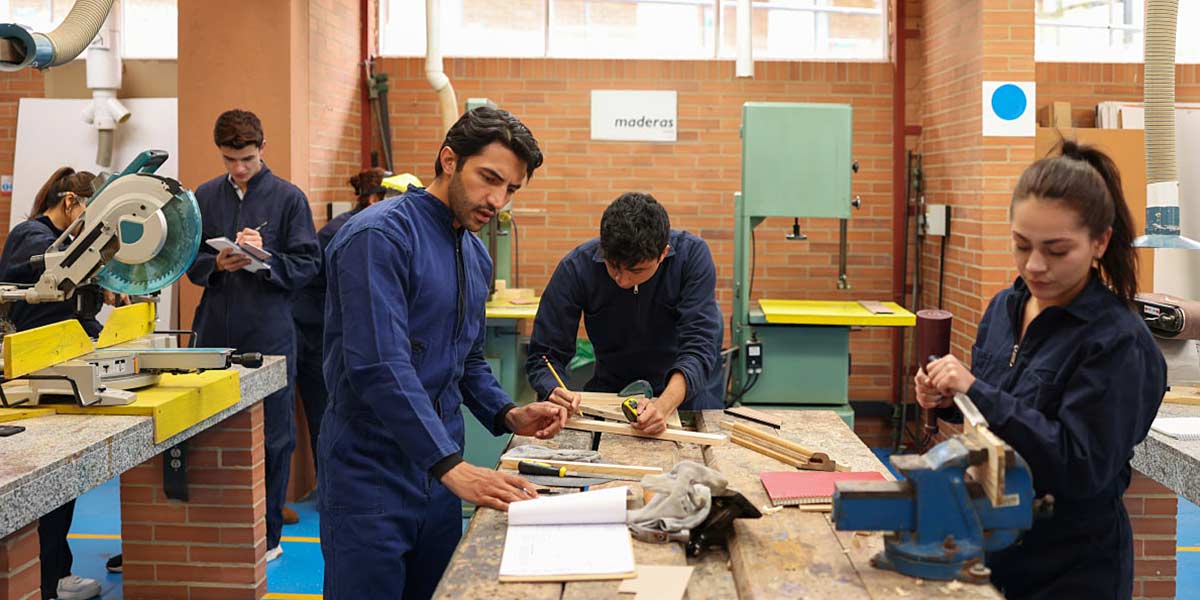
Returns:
(780, 449)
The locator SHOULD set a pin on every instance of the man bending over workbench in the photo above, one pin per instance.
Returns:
(647, 294)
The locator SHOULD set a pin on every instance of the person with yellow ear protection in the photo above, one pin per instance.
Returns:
(58, 204)
(370, 186)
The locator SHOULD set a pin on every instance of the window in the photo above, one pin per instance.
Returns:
(679, 29)
(1105, 31)
(149, 27)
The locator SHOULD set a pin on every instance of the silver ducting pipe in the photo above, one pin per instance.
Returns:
(1162, 170)
(26, 48)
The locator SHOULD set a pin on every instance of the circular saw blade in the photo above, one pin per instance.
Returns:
(179, 250)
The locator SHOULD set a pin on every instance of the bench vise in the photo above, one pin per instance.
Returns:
(966, 496)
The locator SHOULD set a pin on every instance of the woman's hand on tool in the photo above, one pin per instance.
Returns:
(485, 487)
(949, 376)
(650, 419)
(542, 420)
(566, 399)
(927, 395)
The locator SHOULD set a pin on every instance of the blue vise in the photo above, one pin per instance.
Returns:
(941, 520)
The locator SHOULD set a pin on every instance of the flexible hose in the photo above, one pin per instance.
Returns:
(1161, 22)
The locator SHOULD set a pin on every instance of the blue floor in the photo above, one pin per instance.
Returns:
(297, 574)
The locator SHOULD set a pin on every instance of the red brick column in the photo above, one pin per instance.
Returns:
(212, 546)
(20, 569)
(1153, 510)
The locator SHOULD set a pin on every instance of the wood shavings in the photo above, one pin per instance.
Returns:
(952, 588)
(902, 592)
(769, 510)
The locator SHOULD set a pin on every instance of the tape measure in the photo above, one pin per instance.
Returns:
(630, 408)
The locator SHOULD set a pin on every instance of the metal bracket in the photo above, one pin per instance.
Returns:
(175, 472)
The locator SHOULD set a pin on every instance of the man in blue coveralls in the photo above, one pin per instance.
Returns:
(252, 312)
(647, 294)
(404, 335)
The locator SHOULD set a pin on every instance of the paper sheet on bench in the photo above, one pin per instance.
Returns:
(569, 537)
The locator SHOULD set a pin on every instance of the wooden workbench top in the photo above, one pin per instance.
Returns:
(787, 554)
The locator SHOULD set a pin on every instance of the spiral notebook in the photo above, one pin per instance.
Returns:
(790, 488)
(1180, 428)
(576, 537)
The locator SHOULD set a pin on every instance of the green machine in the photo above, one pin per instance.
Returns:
(796, 162)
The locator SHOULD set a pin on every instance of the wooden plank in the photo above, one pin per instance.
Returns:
(602, 413)
(612, 402)
(1184, 395)
(585, 467)
(675, 435)
(127, 323)
(782, 457)
(45, 346)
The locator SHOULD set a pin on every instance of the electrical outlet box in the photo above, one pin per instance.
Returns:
(937, 219)
(754, 357)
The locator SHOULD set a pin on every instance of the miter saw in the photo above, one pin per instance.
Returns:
(968, 495)
(138, 234)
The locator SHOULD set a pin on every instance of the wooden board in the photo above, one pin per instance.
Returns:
(45, 346)
(1127, 149)
(1183, 395)
(612, 402)
(127, 323)
(505, 309)
(176, 403)
(675, 435)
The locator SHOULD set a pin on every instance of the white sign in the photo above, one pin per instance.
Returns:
(634, 115)
(1008, 108)
(5, 184)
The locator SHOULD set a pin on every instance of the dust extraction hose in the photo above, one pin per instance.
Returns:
(60, 46)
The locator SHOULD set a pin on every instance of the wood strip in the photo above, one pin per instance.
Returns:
(612, 402)
(782, 457)
(674, 435)
(585, 467)
(592, 411)
(766, 437)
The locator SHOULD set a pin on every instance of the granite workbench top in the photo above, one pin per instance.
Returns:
(1171, 462)
(59, 457)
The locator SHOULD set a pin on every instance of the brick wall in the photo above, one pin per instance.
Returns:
(27, 83)
(1085, 85)
(335, 102)
(20, 569)
(695, 177)
(1152, 509)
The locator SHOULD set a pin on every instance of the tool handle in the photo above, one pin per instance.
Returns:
(528, 467)
(250, 360)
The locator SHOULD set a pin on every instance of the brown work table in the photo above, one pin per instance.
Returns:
(786, 554)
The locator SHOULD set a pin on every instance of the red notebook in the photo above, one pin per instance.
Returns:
(789, 488)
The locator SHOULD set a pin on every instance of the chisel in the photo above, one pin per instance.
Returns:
(529, 467)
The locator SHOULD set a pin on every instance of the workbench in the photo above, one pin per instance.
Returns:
(1171, 462)
(59, 457)
(787, 554)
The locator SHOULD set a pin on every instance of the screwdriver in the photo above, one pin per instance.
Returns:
(529, 467)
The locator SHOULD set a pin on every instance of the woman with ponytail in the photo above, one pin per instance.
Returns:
(1067, 374)
(58, 204)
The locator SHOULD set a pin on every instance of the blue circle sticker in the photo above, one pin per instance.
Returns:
(1009, 102)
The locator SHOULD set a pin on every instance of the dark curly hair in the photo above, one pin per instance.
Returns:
(481, 126)
(635, 228)
(237, 129)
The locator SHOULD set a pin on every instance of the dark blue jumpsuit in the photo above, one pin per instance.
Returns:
(252, 312)
(1073, 397)
(404, 335)
(309, 315)
(670, 323)
(26, 240)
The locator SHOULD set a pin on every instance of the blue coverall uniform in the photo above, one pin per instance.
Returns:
(669, 323)
(404, 335)
(31, 238)
(252, 312)
(1072, 397)
(309, 316)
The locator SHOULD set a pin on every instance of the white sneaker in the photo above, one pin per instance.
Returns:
(74, 587)
(274, 553)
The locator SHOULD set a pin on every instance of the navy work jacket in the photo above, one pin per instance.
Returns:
(252, 312)
(669, 323)
(309, 310)
(1072, 397)
(26, 240)
(404, 335)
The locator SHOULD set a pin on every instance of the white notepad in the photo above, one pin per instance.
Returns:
(568, 538)
(258, 257)
(1180, 428)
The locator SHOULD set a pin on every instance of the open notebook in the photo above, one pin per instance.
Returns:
(573, 537)
(258, 257)
(1180, 428)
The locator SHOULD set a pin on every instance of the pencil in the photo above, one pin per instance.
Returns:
(559, 380)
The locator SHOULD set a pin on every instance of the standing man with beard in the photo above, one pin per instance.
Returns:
(404, 334)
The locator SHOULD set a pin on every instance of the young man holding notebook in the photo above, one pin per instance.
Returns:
(252, 311)
(404, 334)
(647, 294)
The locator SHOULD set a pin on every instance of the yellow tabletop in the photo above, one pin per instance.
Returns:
(507, 310)
(14, 414)
(833, 312)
